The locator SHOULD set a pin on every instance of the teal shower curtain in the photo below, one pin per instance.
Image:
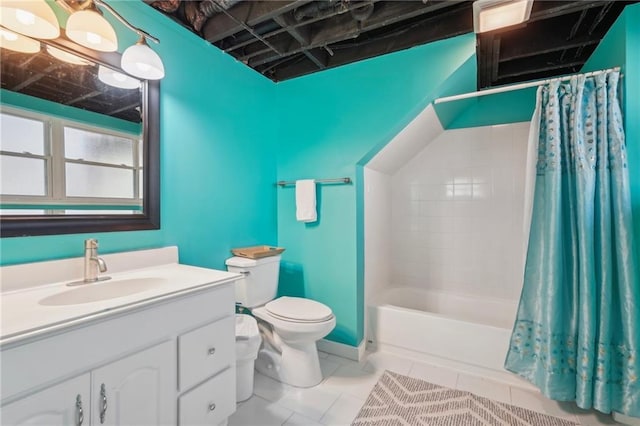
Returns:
(577, 331)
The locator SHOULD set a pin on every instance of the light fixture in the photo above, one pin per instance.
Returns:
(86, 26)
(18, 42)
(489, 15)
(90, 29)
(66, 56)
(33, 18)
(117, 79)
(140, 61)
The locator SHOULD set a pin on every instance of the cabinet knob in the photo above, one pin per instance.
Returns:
(211, 351)
(212, 406)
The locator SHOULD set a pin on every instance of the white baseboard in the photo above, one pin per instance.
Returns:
(355, 353)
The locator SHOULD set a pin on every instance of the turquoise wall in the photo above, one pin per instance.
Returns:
(502, 108)
(227, 134)
(620, 48)
(217, 156)
(330, 123)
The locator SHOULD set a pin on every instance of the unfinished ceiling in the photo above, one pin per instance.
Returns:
(45, 77)
(287, 39)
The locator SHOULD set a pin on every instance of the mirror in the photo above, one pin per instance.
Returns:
(77, 153)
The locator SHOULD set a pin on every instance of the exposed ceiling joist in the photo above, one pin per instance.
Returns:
(251, 13)
(287, 39)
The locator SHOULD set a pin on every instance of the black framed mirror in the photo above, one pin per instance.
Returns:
(80, 212)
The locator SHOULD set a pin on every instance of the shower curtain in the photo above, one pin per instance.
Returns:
(577, 331)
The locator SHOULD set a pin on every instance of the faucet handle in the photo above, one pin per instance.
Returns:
(91, 243)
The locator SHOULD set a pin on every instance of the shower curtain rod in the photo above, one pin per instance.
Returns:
(517, 86)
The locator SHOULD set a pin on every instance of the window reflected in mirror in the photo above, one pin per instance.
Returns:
(71, 136)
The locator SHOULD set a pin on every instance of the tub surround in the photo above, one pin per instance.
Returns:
(168, 348)
(455, 327)
(443, 278)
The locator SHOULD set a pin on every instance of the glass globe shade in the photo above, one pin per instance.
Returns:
(33, 18)
(18, 42)
(117, 79)
(90, 29)
(66, 56)
(140, 61)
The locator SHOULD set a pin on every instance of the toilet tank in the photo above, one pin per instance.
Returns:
(259, 283)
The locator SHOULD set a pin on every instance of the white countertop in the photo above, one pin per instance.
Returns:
(24, 316)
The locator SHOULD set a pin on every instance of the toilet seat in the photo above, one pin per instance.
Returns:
(298, 309)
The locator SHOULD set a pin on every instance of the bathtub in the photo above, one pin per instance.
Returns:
(461, 328)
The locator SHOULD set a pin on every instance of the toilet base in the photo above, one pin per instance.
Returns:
(298, 365)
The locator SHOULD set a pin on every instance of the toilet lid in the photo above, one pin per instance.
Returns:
(299, 309)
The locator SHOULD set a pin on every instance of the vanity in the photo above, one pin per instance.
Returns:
(155, 344)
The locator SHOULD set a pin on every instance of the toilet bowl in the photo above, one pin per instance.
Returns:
(248, 342)
(290, 355)
(289, 326)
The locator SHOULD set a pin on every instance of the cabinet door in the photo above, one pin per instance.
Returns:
(60, 405)
(137, 390)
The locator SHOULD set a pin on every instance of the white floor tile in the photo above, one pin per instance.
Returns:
(351, 380)
(537, 402)
(267, 388)
(484, 387)
(338, 399)
(378, 362)
(593, 418)
(343, 411)
(627, 420)
(311, 402)
(328, 367)
(432, 374)
(298, 420)
(259, 412)
(345, 361)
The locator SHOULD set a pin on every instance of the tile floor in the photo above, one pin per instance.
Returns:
(346, 385)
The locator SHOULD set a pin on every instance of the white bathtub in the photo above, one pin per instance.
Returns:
(455, 327)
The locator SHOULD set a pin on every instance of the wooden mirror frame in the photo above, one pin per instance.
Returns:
(31, 225)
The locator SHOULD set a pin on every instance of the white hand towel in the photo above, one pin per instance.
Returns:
(306, 200)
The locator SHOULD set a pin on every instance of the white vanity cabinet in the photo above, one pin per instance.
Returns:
(170, 362)
(136, 390)
(64, 404)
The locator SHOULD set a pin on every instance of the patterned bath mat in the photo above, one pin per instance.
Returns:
(402, 400)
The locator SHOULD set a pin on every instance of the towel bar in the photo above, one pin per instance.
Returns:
(346, 180)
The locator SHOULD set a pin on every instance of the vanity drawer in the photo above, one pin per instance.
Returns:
(205, 351)
(211, 402)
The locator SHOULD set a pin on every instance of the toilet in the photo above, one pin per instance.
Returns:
(289, 326)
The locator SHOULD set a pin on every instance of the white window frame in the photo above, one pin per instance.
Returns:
(55, 164)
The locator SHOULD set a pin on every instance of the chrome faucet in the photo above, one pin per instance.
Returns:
(92, 263)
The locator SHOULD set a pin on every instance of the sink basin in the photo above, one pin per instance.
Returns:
(95, 292)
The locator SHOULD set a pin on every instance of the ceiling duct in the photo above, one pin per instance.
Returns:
(167, 6)
(362, 10)
(320, 9)
(209, 7)
(196, 13)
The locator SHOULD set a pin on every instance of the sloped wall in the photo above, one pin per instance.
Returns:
(331, 122)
